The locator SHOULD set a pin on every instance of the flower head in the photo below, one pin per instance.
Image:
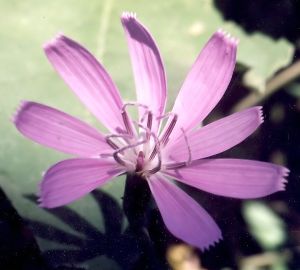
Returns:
(141, 146)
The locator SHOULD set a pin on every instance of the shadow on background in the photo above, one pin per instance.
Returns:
(127, 248)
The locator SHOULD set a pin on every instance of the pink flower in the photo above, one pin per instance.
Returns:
(178, 151)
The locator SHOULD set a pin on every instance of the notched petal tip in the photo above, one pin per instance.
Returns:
(260, 114)
(42, 204)
(282, 179)
(40, 200)
(18, 112)
(127, 16)
(54, 41)
(42, 194)
(43, 200)
(212, 244)
(227, 37)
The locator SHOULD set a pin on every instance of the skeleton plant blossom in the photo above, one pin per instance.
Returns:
(141, 146)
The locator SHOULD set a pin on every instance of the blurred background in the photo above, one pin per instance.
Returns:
(93, 233)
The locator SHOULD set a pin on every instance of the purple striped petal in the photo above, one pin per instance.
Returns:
(218, 136)
(206, 82)
(236, 178)
(59, 130)
(148, 69)
(184, 217)
(88, 79)
(70, 179)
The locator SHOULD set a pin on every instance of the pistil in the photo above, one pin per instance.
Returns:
(140, 161)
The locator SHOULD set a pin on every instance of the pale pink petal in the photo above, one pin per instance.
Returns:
(206, 82)
(88, 79)
(184, 217)
(235, 178)
(148, 69)
(216, 137)
(58, 130)
(70, 179)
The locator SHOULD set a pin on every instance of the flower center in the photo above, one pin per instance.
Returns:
(138, 148)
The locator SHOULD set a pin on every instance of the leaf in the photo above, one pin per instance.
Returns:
(267, 228)
(181, 28)
(263, 56)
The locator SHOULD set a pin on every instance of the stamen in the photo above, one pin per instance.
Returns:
(116, 153)
(137, 104)
(149, 124)
(154, 152)
(118, 159)
(146, 113)
(166, 135)
(188, 147)
(111, 143)
(127, 123)
(148, 131)
(157, 168)
(178, 165)
(174, 166)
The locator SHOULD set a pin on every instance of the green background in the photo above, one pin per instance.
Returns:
(180, 28)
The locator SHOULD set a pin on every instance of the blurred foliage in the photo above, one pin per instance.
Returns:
(263, 69)
(181, 28)
(270, 232)
(265, 225)
(294, 89)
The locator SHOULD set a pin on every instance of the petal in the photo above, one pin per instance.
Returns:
(148, 69)
(237, 178)
(184, 217)
(58, 130)
(206, 82)
(70, 179)
(88, 79)
(218, 136)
